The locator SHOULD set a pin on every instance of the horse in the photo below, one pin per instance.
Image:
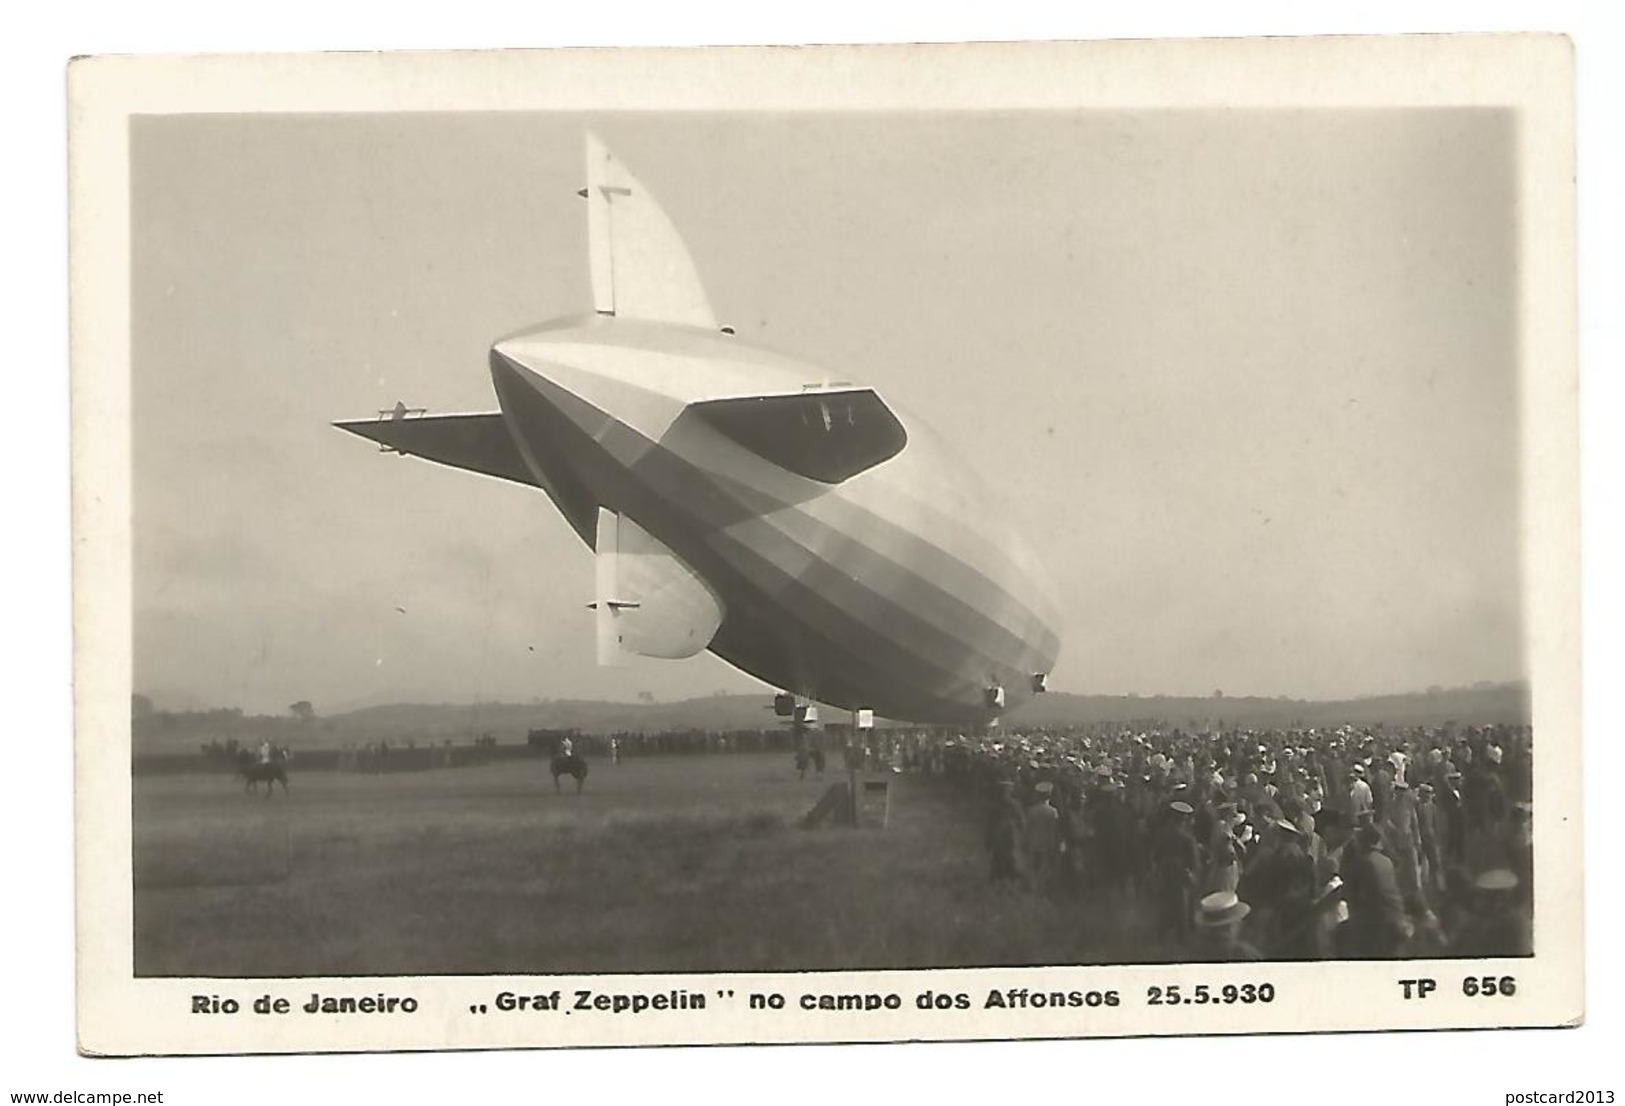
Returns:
(256, 772)
(573, 765)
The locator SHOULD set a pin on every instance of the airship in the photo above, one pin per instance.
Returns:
(802, 527)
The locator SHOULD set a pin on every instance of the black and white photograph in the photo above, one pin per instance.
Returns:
(758, 548)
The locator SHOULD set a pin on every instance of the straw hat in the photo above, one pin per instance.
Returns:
(1221, 908)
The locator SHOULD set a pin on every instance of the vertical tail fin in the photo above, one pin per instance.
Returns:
(648, 602)
(640, 267)
(606, 584)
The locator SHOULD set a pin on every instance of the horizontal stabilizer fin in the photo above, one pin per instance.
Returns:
(824, 435)
(648, 601)
(479, 443)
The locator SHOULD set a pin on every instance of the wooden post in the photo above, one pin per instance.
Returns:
(852, 769)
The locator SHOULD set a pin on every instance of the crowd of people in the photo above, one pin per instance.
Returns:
(684, 742)
(1286, 844)
(1322, 843)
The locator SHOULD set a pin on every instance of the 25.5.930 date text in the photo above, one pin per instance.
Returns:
(1202, 994)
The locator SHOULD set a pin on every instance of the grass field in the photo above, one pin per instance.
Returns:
(683, 863)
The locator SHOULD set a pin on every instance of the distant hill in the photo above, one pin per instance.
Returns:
(1480, 705)
(505, 720)
(425, 723)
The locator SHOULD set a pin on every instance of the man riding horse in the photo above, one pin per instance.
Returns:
(568, 762)
(268, 766)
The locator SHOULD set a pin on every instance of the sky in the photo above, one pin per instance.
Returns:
(1248, 379)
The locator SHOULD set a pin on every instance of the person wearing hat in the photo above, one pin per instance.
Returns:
(1116, 836)
(1495, 789)
(1381, 779)
(1430, 854)
(1223, 850)
(1452, 816)
(1403, 837)
(1330, 909)
(1041, 838)
(1477, 792)
(1362, 804)
(1280, 881)
(1218, 928)
(1378, 926)
(1177, 868)
(1498, 922)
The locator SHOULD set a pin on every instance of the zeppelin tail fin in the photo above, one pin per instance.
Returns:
(480, 443)
(649, 602)
(640, 267)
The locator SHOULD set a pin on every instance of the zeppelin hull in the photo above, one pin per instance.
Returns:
(900, 588)
(800, 528)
